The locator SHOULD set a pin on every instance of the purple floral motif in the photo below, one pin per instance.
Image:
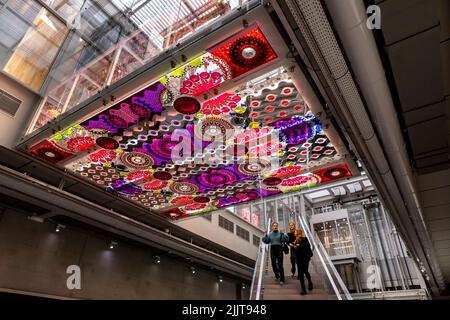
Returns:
(216, 178)
(152, 98)
(101, 123)
(297, 130)
(130, 111)
(125, 187)
(245, 196)
(161, 149)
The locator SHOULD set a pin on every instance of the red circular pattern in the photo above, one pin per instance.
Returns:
(107, 143)
(272, 181)
(201, 199)
(185, 188)
(239, 48)
(136, 160)
(287, 91)
(253, 168)
(161, 175)
(214, 128)
(50, 154)
(186, 105)
(335, 173)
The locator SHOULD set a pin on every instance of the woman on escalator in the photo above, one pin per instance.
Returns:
(291, 235)
(303, 254)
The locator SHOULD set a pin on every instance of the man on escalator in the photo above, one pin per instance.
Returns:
(277, 240)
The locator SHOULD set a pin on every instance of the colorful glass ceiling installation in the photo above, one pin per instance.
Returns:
(245, 51)
(132, 147)
(276, 103)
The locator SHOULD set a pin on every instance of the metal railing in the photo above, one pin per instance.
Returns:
(338, 285)
(256, 287)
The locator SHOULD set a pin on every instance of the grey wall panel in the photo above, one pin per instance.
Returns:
(34, 258)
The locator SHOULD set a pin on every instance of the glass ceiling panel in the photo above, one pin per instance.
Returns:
(107, 28)
(30, 38)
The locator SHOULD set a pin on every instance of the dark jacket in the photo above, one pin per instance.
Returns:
(291, 236)
(302, 250)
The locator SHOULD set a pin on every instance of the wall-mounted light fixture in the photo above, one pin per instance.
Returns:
(113, 244)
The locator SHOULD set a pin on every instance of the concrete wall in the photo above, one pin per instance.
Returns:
(211, 231)
(12, 128)
(34, 258)
(434, 193)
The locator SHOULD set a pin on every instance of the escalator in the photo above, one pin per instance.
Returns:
(327, 283)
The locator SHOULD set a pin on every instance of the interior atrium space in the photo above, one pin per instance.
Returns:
(224, 150)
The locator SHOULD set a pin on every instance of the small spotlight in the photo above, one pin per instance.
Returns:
(243, 286)
(220, 279)
(59, 227)
(158, 259)
(193, 271)
(112, 245)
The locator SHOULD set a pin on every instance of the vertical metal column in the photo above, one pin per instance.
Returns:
(391, 247)
(372, 250)
(112, 69)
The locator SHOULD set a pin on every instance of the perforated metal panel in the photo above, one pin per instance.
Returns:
(313, 23)
(320, 28)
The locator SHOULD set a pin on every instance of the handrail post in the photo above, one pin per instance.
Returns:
(261, 260)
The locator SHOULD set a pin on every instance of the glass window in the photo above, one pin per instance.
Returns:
(335, 236)
(30, 38)
(113, 38)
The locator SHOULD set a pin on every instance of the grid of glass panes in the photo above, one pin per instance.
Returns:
(336, 236)
(109, 39)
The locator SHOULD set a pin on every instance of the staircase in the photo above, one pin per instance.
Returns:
(327, 283)
(290, 290)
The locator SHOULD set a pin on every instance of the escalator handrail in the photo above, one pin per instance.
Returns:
(260, 259)
(330, 278)
(327, 266)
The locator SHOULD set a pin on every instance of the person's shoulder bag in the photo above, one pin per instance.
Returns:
(284, 245)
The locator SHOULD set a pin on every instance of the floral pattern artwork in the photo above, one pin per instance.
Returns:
(131, 148)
